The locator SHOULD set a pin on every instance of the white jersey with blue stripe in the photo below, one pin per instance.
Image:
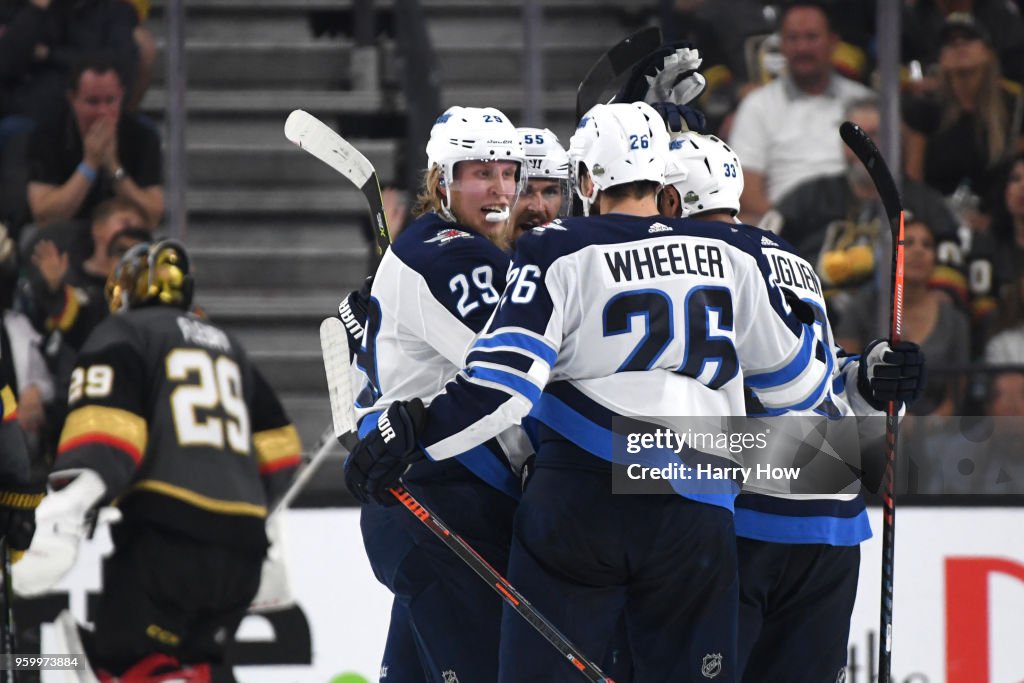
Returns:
(629, 316)
(433, 292)
(837, 519)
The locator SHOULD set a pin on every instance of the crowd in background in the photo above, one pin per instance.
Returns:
(81, 173)
(80, 182)
(780, 80)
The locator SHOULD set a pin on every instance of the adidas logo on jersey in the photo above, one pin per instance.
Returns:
(765, 242)
(659, 227)
(447, 235)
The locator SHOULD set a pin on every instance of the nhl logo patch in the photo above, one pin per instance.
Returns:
(450, 677)
(711, 666)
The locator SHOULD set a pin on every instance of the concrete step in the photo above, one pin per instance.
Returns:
(234, 64)
(287, 267)
(342, 202)
(286, 164)
(292, 370)
(253, 306)
(326, 63)
(274, 233)
(276, 102)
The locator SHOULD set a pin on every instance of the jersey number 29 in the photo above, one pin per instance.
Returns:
(216, 387)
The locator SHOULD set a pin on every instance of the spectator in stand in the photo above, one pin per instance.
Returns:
(959, 137)
(68, 293)
(42, 40)
(1006, 347)
(803, 215)
(96, 153)
(1007, 233)
(785, 132)
(924, 21)
(20, 351)
(930, 319)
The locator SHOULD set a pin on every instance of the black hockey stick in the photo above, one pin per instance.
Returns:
(610, 66)
(317, 138)
(861, 145)
(7, 618)
(325, 144)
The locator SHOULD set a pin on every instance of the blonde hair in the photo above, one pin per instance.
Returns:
(992, 117)
(430, 197)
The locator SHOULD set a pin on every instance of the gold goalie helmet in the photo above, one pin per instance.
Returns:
(151, 273)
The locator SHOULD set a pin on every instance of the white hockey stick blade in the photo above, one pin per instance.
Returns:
(337, 361)
(275, 591)
(320, 140)
(68, 641)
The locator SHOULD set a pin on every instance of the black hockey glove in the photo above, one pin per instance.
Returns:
(891, 373)
(381, 458)
(353, 311)
(18, 513)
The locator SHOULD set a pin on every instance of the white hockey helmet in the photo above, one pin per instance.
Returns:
(473, 134)
(706, 172)
(545, 157)
(618, 143)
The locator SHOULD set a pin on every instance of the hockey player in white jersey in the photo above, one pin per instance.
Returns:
(622, 314)
(433, 292)
(546, 195)
(799, 555)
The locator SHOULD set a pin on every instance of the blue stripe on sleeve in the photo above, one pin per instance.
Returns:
(789, 371)
(521, 386)
(520, 341)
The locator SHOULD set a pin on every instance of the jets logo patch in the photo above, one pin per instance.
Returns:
(446, 235)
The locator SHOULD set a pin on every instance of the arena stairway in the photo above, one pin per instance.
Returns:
(275, 235)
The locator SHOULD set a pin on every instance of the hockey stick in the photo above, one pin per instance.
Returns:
(501, 586)
(326, 145)
(317, 138)
(613, 64)
(335, 346)
(7, 619)
(861, 145)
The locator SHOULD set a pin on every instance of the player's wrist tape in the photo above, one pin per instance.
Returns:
(88, 171)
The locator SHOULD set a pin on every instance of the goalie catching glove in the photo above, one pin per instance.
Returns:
(891, 373)
(379, 460)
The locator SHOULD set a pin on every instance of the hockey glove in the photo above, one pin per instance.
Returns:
(18, 513)
(891, 373)
(680, 118)
(379, 460)
(353, 311)
(63, 520)
(667, 74)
